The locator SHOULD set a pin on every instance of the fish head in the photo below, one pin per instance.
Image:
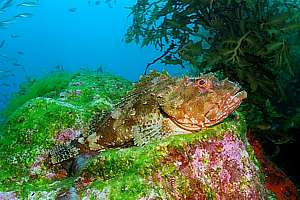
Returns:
(198, 102)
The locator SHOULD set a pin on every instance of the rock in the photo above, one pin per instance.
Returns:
(216, 163)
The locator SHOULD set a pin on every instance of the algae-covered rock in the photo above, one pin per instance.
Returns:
(34, 127)
(215, 163)
(30, 131)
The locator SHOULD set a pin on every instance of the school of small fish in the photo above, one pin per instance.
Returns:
(12, 11)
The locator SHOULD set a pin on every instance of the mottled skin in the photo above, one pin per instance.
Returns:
(160, 106)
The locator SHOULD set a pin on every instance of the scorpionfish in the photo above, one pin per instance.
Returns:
(157, 107)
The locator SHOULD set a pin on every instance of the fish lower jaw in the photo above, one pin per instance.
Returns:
(181, 128)
(241, 95)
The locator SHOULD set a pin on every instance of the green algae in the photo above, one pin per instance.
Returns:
(129, 186)
(30, 131)
(93, 87)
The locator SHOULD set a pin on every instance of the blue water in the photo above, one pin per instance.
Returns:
(90, 37)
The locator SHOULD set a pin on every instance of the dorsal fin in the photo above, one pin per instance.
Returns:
(149, 81)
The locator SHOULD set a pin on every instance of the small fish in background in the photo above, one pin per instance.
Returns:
(4, 84)
(17, 64)
(99, 70)
(3, 55)
(28, 4)
(14, 36)
(89, 2)
(23, 15)
(6, 73)
(72, 9)
(4, 23)
(3, 76)
(7, 4)
(97, 3)
(59, 67)
(108, 2)
(2, 43)
(20, 52)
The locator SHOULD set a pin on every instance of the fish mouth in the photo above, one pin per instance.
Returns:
(237, 98)
(229, 105)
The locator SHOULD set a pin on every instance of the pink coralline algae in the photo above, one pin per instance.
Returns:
(78, 83)
(8, 196)
(221, 168)
(36, 167)
(39, 169)
(67, 135)
(77, 92)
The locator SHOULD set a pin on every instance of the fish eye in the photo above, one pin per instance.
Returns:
(201, 82)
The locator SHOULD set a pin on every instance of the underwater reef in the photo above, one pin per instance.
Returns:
(214, 163)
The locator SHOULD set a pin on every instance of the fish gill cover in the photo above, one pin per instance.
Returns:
(255, 43)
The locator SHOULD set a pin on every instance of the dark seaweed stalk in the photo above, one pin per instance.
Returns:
(159, 58)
